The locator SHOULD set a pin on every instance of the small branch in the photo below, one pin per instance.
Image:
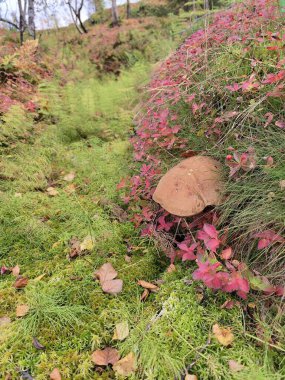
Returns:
(10, 23)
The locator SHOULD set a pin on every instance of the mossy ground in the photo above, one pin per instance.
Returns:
(87, 133)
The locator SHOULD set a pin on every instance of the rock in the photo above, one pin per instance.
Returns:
(190, 186)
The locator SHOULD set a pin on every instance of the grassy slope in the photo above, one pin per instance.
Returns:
(73, 317)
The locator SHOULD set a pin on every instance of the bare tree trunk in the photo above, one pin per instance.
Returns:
(31, 19)
(21, 21)
(115, 16)
(128, 9)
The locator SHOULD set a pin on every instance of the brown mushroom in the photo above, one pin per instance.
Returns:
(190, 186)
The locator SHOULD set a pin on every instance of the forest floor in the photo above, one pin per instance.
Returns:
(62, 219)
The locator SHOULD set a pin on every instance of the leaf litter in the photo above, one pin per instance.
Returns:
(107, 278)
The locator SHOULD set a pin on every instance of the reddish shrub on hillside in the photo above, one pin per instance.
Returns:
(222, 87)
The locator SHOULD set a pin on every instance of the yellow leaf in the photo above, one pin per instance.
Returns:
(121, 331)
(223, 335)
(22, 310)
(39, 277)
(87, 244)
(125, 366)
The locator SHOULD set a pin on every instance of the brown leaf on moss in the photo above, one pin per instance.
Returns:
(223, 335)
(16, 271)
(51, 191)
(104, 357)
(106, 273)
(21, 282)
(148, 285)
(125, 366)
(69, 177)
(112, 286)
(22, 310)
(235, 366)
(55, 374)
(145, 295)
(171, 268)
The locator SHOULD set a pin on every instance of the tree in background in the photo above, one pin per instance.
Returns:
(115, 15)
(31, 19)
(128, 9)
(75, 8)
(15, 21)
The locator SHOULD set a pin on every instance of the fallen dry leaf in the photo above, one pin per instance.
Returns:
(282, 184)
(16, 271)
(70, 189)
(235, 366)
(51, 191)
(191, 377)
(74, 248)
(87, 244)
(126, 365)
(21, 282)
(55, 374)
(41, 276)
(5, 321)
(106, 273)
(144, 295)
(171, 268)
(223, 335)
(37, 344)
(69, 177)
(112, 286)
(128, 259)
(148, 285)
(121, 331)
(22, 310)
(104, 357)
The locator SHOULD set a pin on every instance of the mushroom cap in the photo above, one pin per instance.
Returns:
(190, 186)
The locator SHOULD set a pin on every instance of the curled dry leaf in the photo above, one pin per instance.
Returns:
(235, 366)
(104, 357)
(16, 271)
(112, 286)
(51, 191)
(144, 295)
(55, 374)
(21, 282)
(171, 268)
(125, 366)
(223, 335)
(22, 310)
(121, 331)
(69, 177)
(148, 285)
(37, 344)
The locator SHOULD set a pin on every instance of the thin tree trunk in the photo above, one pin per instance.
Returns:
(115, 16)
(128, 9)
(21, 21)
(31, 19)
